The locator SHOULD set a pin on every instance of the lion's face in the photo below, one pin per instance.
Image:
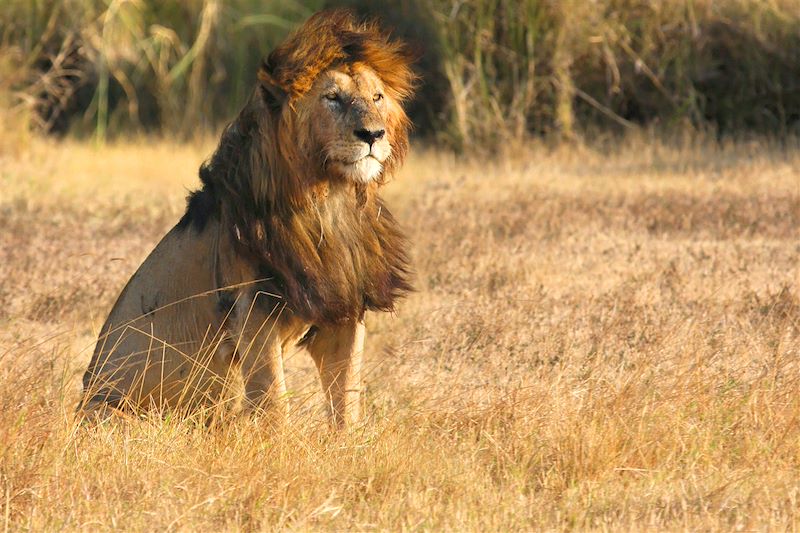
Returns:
(348, 115)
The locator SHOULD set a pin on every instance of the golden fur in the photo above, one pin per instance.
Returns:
(286, 243)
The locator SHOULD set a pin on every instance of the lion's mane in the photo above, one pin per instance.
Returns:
(331, 250)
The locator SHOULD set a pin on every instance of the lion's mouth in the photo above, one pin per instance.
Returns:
(368, 155)
(364, 169)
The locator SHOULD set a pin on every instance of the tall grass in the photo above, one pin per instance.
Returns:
(542, 66)
(493, 70)
(102, 65)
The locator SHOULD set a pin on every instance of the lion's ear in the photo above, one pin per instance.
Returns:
(274, 96)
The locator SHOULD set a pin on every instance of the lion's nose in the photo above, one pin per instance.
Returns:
(369, 136)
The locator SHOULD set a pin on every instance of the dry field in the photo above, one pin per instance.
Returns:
(601, 339)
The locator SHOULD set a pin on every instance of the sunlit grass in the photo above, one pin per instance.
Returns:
(602, 338)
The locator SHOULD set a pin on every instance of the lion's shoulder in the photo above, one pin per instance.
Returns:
(200, 207)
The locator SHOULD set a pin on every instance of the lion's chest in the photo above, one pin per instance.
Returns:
(331, 265)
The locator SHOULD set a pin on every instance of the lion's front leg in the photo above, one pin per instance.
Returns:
(261, 358)
(264, 380)
(338, 353)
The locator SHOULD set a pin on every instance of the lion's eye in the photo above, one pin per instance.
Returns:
(333, 97)
(377, 98)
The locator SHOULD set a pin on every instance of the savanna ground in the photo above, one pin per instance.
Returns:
(601, 339)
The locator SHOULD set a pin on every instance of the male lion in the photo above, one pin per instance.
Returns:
(287, 242)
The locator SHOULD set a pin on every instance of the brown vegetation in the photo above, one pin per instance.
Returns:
(602, 339)
(493, 70)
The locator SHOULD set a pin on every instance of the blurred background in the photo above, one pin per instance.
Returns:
(493, 71)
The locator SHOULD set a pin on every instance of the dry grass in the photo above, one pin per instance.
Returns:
(601, 340)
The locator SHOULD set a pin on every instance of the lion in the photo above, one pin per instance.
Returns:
(286, 243)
